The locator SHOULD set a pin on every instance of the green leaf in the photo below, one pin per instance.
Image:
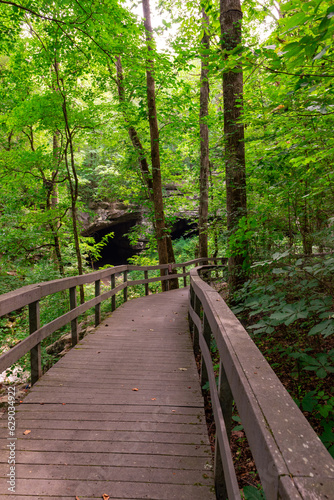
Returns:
(321, 373)
(295, 20)
(326, 328)
(252, 493)
(309, 401)
(322, 53)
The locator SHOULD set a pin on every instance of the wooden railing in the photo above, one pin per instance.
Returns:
(32, 294)
(290, 458)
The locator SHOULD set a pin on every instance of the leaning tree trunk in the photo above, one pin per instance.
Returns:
(204, 135)
(236, 201)
(143, 164)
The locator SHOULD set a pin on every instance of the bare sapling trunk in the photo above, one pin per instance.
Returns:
(204, 136)
(305, 225)
(54, 203)
(236, 201)
(73, 181)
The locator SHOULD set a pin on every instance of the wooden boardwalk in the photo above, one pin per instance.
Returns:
(93, 434)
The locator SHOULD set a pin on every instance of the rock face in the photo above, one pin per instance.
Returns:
(106, 215)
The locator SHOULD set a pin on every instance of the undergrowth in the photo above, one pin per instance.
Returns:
(287, 307)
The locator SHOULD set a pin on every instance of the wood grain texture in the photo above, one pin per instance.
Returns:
(91, 433)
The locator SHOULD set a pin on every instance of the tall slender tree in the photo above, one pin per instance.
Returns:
(160, 224)
(204, 135)
(235, 165)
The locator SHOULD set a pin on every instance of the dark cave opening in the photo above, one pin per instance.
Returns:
(183, 228)
(118, 249)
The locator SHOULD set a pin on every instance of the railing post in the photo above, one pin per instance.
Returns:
(226, 403)
(191, 300)
(167, 281)
(146, 284)
(207, 338)
(35, 352)
(184, 277)
(113, 298)
(197, 309)
(74, 322)
(164, 287)
(98, 306)
(125, 291)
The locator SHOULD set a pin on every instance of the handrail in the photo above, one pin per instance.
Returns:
(30, 296)
(290, 458)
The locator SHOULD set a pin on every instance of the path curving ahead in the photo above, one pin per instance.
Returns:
(93, 434)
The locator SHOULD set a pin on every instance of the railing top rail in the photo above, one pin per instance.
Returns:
(31, 293)
(290, 458)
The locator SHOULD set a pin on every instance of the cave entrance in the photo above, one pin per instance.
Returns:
(118, 249)
(183, 228)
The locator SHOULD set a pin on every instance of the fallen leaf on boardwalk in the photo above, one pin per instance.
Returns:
(183, 369)
(26, 432)
(77, 498)
(151, 330)
(105, 497)
(135, 389)
(173, 410)
(153, 399)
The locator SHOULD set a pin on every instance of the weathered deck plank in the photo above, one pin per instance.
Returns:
(92, 434)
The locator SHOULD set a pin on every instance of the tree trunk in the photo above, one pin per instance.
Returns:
(204, 135)
(143, 165)
(305, 225)
(236, 202)
(72, 182)
(161, 232)
(54, 203)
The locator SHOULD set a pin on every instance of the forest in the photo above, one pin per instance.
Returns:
(212, 112)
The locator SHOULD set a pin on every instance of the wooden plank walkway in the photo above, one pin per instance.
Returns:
(92, 434)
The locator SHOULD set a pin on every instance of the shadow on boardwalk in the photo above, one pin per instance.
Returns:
(121, 414)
